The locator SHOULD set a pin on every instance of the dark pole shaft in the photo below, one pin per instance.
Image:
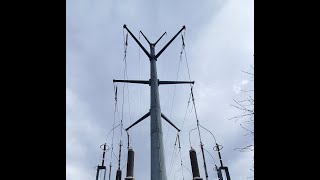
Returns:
(104, 152)
(204, 162)
(97, 176)
(220, 158)
(119, 160)
(227, 173)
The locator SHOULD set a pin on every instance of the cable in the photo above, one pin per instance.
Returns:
(139, 77)
(185, 114)
(211, 156)
(174, 94)
(114, 117)
(176, 173)
(189, 136)
(195, 110)
(187, 169)
(171, 162)
(128, 92)
(185, 54)
(210, 133)
(181, 163)
(112, 130)
(125, 39)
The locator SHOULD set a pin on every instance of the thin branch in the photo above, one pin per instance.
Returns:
(251, 90)
(246, 149)
(248, 73)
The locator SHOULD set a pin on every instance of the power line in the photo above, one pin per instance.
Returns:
(174, 93)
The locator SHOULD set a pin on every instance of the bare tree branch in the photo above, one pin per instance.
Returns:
(246, 149)
(248, 72)
(246, 116)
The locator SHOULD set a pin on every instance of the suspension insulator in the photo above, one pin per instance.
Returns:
(194, 163)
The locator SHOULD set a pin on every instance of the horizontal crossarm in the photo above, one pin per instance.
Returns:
(132, 81)
(176, 82)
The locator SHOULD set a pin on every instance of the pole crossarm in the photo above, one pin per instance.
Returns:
(145, 37)
(132, 81)
(176, 82)
(139, 120)
(144, 49)
(160, 38)
(165, 47)
(165, 118)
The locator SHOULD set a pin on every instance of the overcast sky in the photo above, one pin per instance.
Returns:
(219, 41)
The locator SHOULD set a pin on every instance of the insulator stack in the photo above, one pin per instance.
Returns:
(130, 164)
(194, 165)
(118, 177)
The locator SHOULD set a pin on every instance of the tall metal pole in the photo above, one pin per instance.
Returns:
(158, 168)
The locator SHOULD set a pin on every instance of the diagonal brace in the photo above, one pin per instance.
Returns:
(176, 82)
(165, 118)
(142, 118)
(144, 49)
(145, 37)
(165, 47)
(160, 38)
(132, 81)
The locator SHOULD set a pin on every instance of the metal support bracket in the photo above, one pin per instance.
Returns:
(165, 118)
(139, 120)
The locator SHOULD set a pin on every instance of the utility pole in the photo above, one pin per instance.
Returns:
(158, 168)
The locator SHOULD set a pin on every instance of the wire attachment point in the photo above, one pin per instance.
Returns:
(217, 147)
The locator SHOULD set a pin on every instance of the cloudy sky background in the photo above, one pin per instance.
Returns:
(219, 40)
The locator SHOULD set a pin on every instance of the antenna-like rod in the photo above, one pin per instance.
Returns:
(160, 38)
(145, 37)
